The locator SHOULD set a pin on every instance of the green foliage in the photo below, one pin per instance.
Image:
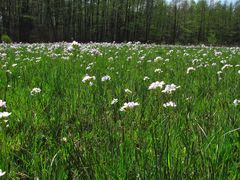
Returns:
(70, 130)
(186, 22)
(6, 39)
(212, 40)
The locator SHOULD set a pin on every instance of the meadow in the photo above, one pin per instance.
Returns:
(119, 111)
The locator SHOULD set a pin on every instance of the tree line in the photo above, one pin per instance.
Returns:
(160, 21)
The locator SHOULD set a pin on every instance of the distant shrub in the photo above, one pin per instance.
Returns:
(6, 39)
(212, 40)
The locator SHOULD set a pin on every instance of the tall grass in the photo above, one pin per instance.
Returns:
(70, 130)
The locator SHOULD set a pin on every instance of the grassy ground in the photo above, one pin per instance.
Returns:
(70, 129)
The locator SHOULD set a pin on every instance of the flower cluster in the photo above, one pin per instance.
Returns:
(2, 173)
(4, 114)
(169, 88)
(190, 69)
(88, 78)
(156, 85)
(114, 101)
(226, 66)
(106, 78)
(129, 105)
(2, 104)
(35, 91)
(128, 91)
(146, 78)
(169, 104)
(236, 102)
(95, 52)
(158, 70)
(72, 45)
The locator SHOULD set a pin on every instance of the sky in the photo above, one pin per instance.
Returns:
(229, 1)
(233, 1)
(222, 1)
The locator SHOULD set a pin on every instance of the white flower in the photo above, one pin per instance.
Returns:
(95, 52)
(129, 58)
(2, 173)
(142, 58)
(88, 78)
(4, 114)
(223, 61)
(169, 104)
(238, 71)
(226, 66)
(236, 102)
(169, 88)
(128, 91)
(157, 59)
(8, 71)
(129, 105)
(14, 65)
(75, 43)
(114, 101)
(89, 67)
(188, 98)
(146, 78)
(190, 69)
(64, 139)
(72, 45)
(2, 103)
(217, 53)
(35, 91)
(110, 58)
(156, 85)
(158, 71)
(106, 78)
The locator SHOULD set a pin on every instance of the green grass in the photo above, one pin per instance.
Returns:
(71, 131)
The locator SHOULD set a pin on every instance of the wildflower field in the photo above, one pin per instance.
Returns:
(119, 111)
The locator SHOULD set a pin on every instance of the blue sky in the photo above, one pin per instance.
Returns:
(233, 1)
(229, 1)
